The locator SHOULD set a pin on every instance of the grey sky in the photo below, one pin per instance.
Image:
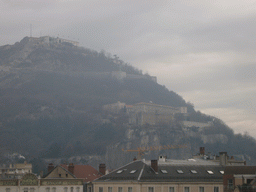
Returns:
(203, 50)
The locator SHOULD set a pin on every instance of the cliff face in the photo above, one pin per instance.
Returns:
(147, 138)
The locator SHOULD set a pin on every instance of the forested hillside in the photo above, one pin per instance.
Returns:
(51, 98)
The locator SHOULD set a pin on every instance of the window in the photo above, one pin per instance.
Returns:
(25, 189)
(163, 171)
(65, 189)
(100, 189)
(133, 171)
(32, 190)
(171, 189)
(8, 190)
(129, 189)
(193, 171)
(222, 172)
(59, 175)
(216, 189)
(230, 183)
(47, 189)
(180, 171)
(66, 175)
(210, 172)
(151, 189)
(109, 189)
(120, 189)
(201, 189)
(186, 189)
(54, 189)
(89, 189)
(119, 171)
(78, 189)
(71, 189)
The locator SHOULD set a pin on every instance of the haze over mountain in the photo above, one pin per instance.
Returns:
(202, 50)
(52, 92)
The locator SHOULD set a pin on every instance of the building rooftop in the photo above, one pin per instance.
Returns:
(140, 171)
(168, 162)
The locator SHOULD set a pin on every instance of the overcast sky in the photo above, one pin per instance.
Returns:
(203, 50)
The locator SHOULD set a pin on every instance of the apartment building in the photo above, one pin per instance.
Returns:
(163, 176)
(15, 170)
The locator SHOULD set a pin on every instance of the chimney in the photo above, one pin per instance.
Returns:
(154, 165)
(50, 167)
(134, 159)
(223, 158)
(102, 168)
(202, 151)
(162, 158)
(71, 168)
(41, 174)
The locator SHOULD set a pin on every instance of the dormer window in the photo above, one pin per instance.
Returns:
(210, 172)
(133, 171)
(180, 171)
(193, 171)
(119, 171)
(164, 171)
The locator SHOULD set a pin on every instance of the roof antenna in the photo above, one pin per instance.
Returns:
(30, 30)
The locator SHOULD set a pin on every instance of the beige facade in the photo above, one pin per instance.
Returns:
(59, 172)
(134, 186)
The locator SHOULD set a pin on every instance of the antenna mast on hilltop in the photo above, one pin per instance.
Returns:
(30, 30)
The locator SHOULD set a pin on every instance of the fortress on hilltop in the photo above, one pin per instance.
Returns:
(52, 44)
(52, 40)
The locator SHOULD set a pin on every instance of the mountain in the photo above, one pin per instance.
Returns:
(52, 93)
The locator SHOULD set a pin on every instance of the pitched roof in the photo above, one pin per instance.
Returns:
(140, 171)
(85, 172)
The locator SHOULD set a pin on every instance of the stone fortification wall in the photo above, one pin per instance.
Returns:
(147, 77)
(142, 118)
(196, 124)
(149, 113)
(155, 109)
(48, 39)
